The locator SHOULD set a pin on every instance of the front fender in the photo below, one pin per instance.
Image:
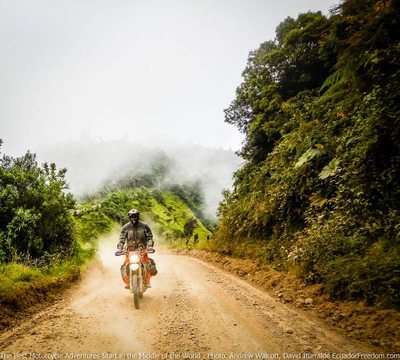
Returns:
(134, 268)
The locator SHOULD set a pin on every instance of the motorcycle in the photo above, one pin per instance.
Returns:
(136, 271)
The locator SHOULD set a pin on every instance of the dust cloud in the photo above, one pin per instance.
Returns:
(107, 245)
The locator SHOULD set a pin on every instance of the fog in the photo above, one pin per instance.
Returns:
(145, 71)
(91, 164)
(91, 84)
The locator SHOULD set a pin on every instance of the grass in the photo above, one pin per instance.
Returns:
(17, 278)
(168, 219)
(166, 215)
(14, 276)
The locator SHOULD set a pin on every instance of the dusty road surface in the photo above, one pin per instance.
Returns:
(192, 308)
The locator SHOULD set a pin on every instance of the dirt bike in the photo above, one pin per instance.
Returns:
(136, 271)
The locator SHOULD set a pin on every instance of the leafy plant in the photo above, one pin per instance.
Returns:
(35, 212)
(320, 186)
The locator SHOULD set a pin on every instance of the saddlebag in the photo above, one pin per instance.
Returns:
(153, 268)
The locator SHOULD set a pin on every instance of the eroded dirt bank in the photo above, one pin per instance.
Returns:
(193, 307)
(380, 327)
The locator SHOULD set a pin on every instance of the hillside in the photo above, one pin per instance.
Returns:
(90, 164)
(319, 193)
(169, 216)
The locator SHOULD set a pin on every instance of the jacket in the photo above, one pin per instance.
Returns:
(134, 235)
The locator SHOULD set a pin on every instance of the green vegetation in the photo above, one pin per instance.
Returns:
(37, 232)
(156, 173)
(35, 217)
(46, 237)
(165, 211)
(319, 193)
(174, 210)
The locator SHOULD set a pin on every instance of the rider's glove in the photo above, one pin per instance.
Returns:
(150, 243)
(120, 247)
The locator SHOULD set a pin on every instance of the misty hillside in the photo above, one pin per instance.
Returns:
(171, 217)
(46, 236)
(91, 165)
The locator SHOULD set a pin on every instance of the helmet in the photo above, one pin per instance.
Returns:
(133, 213)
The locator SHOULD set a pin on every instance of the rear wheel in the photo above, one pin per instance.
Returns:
(135, 290)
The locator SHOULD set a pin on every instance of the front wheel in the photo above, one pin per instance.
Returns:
(135, 290)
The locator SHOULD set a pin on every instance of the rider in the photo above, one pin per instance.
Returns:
(133, 234)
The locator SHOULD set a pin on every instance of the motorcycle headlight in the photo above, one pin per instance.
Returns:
(134, 258)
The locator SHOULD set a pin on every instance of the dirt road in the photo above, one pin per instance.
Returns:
(192, 307)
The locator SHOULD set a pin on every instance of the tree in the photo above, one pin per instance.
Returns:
(320, 186)
(35, 209)
(275, 72)
(189, 227)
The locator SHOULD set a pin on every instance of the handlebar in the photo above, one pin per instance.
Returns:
(124, 252)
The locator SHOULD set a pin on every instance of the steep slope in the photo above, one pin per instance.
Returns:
(319, 193)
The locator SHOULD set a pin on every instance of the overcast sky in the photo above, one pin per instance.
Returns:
(141, 70)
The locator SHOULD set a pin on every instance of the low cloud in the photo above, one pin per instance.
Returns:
(93, 164)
